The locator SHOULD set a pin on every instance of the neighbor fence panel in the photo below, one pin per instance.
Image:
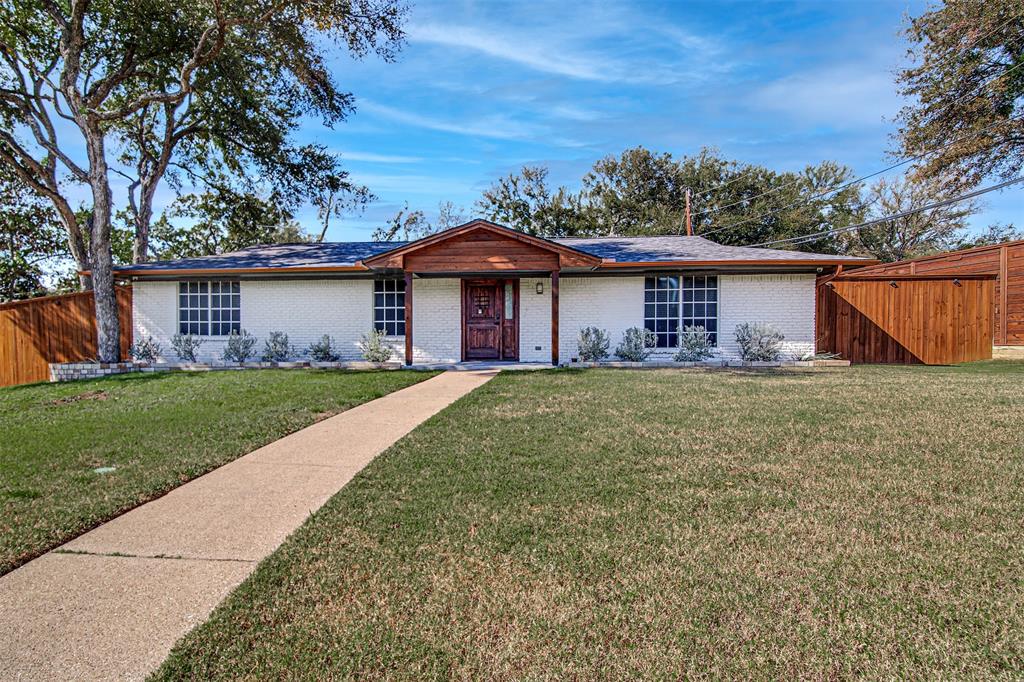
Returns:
(39, 331)
(1006, 261)
(906, 319)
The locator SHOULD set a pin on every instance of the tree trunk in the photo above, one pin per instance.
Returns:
(108, 325)
(140, 245)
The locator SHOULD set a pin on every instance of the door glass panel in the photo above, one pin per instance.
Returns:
(509, 301)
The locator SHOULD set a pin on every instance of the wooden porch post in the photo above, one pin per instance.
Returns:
(554, 318)
(408, 317)
(1004, 286)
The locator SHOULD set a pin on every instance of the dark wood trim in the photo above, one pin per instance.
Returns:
(554, 318)
(1004, 289)
(462, 319)
(515, 318)
(408, 318)
(855, 276)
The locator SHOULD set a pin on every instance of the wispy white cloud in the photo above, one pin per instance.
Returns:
(496, 126)
(610, 46)
(547, 58)
(839, 96)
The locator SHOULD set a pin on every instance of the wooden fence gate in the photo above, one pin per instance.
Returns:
(39, 331)
(906, 319)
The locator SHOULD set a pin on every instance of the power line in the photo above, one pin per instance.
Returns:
(945, 59)
(850, 183)
(903, 214)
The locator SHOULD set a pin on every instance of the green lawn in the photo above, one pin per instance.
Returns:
(662, 524)
(157, 430)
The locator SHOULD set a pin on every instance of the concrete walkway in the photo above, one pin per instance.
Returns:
(111, 603)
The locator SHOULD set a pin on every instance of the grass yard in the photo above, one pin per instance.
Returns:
(157, 430)
(671, 523)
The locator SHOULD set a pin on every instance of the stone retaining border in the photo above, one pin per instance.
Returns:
(652, 364)
(73, 371)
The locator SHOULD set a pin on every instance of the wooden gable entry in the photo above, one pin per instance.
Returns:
(481, 247)
(490, 319)
(490, 307)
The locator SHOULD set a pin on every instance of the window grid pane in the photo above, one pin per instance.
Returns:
(661, 309)
(209, 308)
(389, 306)
(700, 305)
(674, 302)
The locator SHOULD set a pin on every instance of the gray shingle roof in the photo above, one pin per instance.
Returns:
(327, 254)
(619, 249)
(680, 248)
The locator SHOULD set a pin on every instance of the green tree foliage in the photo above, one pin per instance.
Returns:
(644, 193)
(209, 89)
(526, 202)
(917, 234)
(220, 222)
(966, 87)
(32, 241)
(995, 234)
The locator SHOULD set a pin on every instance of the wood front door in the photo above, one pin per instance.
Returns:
(490, 320)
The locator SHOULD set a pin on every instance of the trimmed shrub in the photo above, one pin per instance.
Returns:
(373, 347)
(276, 348)
(759, 342)
(186, 346)
(239, 347)
(694, 345)
(147, 350)
(636, 344)
(323, 350)
(593, 344)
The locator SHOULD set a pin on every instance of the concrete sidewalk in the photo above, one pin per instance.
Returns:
(110, 604)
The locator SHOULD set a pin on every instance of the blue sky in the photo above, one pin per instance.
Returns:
(482, 88)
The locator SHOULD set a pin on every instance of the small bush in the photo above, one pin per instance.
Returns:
(323, 350)
(239, 347)
(593, 344)
(373, 347)
(759, 342)
(147, 350)
(636, 344)
(694, 345)
(276, 348)
(186, 346)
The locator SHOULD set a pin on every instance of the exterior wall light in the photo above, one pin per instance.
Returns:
(540, 287)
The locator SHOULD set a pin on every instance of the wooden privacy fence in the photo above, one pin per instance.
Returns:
(906, 319)
(39, 331)
(1004, 260)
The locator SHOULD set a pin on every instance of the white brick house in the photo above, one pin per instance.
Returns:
(481, 292)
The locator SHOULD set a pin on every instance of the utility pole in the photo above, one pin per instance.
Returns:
(689, 224)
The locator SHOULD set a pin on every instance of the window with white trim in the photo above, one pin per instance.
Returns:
(674, 302)
(209, 308)
(389, 306)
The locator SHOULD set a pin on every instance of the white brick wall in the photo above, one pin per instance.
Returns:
(305, 310)
(535, 320)
(436, 321)
(784, 301)
(611, 303)
(308, 309)
(155, 313)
